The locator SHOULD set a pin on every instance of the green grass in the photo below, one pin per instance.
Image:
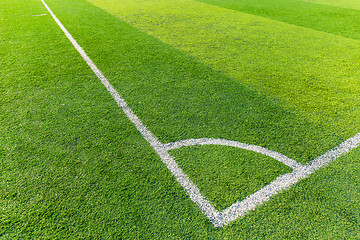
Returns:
(311, 73)
(73, 166)
(342, 19)
(353, 4)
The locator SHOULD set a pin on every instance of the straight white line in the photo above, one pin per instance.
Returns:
(334, 153)
(179, 174)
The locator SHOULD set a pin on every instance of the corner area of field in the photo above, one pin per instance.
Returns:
(72, 166)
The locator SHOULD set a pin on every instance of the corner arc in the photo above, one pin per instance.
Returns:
(223, 142)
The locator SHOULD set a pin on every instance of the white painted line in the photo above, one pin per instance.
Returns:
(334, 153)
(38, 15)
(240, 208)
(179, 174)
(212, 141)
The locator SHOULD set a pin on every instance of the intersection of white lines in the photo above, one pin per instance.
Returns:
(240, 208)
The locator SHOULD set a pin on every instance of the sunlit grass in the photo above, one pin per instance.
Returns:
(354, 4)
(311, 73)
(319, 15)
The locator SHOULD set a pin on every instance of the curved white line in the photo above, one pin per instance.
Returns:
(217, 141)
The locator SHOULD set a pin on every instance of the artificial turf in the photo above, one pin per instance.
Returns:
(312, 73)
(352, 4)
(73, 166)
(342, 19)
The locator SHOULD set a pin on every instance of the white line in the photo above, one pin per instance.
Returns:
(38, 15)
(179, 174)
(334, 153)
(212, 141)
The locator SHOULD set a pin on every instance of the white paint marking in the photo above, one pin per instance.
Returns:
(212, 141)
(39, 15)
(240, 208)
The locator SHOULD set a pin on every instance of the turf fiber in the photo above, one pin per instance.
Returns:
(74, 167)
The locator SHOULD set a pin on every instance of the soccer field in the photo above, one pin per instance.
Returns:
(218, 119)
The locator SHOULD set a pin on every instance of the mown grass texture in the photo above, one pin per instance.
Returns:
(341, 19)
(353, 4)
(311, 73)
(74, 167)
